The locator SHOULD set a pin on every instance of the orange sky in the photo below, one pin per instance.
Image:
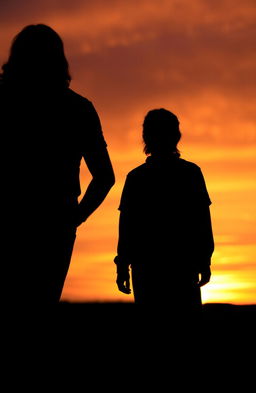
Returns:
(196, 58)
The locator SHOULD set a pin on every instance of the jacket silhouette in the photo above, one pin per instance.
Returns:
(165, 232)
(46, 130)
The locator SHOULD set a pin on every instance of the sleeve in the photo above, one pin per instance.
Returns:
(126, 197)
(92, 138)
(126, 228)
(201, 193)
(202, 228)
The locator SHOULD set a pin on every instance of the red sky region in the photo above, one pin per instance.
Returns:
(196, 59)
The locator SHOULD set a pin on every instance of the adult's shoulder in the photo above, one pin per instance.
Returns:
(3, 89)
(81, 107)
(77, 99)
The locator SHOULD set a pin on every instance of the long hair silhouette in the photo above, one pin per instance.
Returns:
(37, 57)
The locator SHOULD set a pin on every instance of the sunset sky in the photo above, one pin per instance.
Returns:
(196, 58)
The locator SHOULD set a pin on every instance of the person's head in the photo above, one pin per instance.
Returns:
(37, 57)
(161, 133)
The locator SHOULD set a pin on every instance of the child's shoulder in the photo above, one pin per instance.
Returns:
(137, 171)
(188, 164)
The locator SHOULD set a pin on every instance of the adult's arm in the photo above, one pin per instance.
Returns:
(103, 178)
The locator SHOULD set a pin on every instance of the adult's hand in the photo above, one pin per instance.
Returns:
(205, 276)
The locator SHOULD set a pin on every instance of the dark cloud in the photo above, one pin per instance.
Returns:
(19, 11)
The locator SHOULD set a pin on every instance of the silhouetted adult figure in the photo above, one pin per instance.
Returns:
(46, 130)
(165, 232)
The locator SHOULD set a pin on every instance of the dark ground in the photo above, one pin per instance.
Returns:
(112, 311)
(125, 336)
(119, 346)
(121, 325)
(217, 309)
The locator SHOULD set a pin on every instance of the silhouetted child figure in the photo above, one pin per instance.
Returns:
(46, 130)
(165, 232)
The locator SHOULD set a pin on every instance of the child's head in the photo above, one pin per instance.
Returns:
(161, 132)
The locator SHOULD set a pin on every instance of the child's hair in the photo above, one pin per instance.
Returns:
(161, 132)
